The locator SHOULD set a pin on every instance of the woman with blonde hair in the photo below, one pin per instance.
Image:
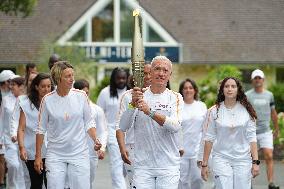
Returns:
(65, 115)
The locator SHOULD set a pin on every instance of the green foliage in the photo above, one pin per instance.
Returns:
(73, 54)
(208, 87)
(278, 91)
(17, 6)
(228, 71)
(280, 139)
(94, 92)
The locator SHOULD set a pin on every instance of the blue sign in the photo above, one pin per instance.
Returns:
(104, 54)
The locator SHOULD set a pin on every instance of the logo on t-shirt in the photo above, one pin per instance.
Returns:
(162, 106)
(260, 102)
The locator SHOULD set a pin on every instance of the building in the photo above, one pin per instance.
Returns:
(198, 35)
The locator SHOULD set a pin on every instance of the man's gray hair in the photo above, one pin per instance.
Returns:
(161, 58)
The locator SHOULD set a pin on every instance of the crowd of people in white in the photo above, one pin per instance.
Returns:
(52, 135)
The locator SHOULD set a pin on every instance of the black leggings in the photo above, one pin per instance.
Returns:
(36, 179)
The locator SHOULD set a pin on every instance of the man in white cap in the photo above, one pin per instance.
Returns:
(262, 101)
(5, 77)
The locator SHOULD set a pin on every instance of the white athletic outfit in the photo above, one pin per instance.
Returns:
(14, 164)
(129, 134)
(156, 148)
(14, 121)
(193, 117)
(66, 121)
(3, 93)
(102, 135)
(31, 114)
(110, 105)
(232, 132)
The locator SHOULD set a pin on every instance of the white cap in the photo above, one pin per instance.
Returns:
(14, 76)
(257, 73)
(6, 75)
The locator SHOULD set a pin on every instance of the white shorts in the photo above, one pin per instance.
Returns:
(265, 140)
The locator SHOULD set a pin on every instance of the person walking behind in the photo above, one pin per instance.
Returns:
(108, 100)
(193, 116)
(233, 129)
(126, 140)
(29, 106)
(101, 131)
(5, 77)
(15, 169)
(263, 102)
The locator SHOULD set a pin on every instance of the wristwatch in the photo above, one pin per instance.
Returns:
(257, 162)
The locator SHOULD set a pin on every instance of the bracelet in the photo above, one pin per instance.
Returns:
(152, 114)
(257, 162)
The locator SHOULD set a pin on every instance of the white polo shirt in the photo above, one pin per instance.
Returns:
(155, 146)
(66, 120)
(31, 114)
(234, 130)
(193, 116)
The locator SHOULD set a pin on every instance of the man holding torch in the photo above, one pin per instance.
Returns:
(156, 124)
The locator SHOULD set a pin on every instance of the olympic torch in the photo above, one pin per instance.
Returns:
(137, 53)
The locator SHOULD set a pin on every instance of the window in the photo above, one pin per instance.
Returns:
(153, 36)
(126, 23)
(102, 25)
(80, 36)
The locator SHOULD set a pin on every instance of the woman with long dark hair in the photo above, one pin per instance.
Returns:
(29, 106)
(193, 116)
(231, 127)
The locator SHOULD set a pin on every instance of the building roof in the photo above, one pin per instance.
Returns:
(22, 38)
(215, 31)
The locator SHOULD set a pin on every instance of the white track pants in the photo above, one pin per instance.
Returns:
(16, 178)
(116, 166)
(78, 173)
(129, 168)
(94, 165)
(190, 174)
(156, 178)
(231, 174)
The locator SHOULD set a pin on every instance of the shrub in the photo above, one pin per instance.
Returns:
(94, 92)
(209, 86)
(278, 91)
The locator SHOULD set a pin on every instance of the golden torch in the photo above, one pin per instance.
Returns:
(137, 53)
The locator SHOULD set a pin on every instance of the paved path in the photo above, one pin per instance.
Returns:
(104, 182)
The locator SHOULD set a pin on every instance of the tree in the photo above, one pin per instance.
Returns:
(11, 7)
(208, 87)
